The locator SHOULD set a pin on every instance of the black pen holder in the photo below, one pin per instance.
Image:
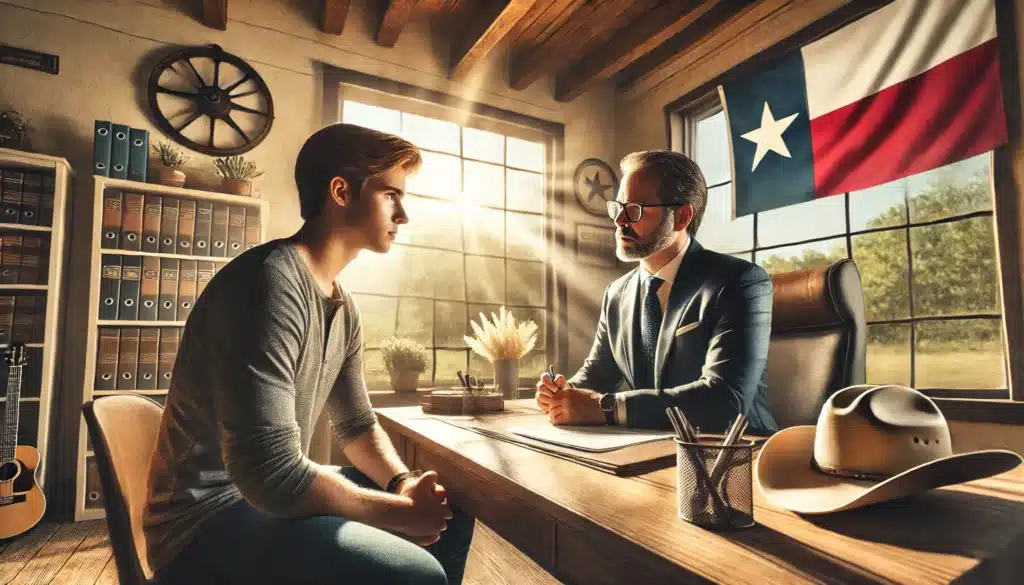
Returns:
(715, 484)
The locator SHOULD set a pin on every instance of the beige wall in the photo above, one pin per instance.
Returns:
(105, 47)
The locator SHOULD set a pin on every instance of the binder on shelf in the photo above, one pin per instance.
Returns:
(101, 140)
(186, 289)
(32, 190)
(46, 201)
(205, 270)
(252, 227)
(31, 260)
(219, 231)
(169, 225)
(6, 318)
(168, 352)
(109, 345)
(10, 258)
(10, 199)
(204, 224)
(152, 207)
(168, 289)
(236, 230)
(138, 154)
(149, 350)
(186, 226)
(24, 319)
(111, 221)
(128, 358)
(149, 290)
(131, 279)
(119, 151)
(131, 222)
(110, 285)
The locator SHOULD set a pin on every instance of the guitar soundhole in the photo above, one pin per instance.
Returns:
(8, 471)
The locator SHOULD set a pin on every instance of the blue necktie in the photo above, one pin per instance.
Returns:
(650, 325)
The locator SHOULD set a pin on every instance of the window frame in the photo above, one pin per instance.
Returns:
(342, 84)
(1001, 406)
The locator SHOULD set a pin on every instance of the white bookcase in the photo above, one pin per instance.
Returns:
(88, 495)
(37, 403)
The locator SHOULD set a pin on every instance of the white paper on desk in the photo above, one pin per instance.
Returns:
(594, 439)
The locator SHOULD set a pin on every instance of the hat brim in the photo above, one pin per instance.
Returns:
(787, 480)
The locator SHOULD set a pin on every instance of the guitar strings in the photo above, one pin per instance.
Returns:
(10, 442)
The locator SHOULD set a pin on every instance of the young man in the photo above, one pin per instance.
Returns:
(688, 327)
(233, 496)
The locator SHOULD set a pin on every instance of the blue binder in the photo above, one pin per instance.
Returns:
(101, 148)
(119, 152)
(138, 154)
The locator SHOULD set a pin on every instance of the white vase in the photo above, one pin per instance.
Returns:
(506, 378)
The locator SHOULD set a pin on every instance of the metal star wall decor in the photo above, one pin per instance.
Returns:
(595, 184)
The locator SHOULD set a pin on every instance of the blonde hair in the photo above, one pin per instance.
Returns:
(679, 178)
(352, 152)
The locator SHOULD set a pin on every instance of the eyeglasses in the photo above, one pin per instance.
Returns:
(634, 211)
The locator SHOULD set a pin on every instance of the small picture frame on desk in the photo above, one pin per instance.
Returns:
(595, 245)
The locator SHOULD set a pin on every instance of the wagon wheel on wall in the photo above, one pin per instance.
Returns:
(210, 101)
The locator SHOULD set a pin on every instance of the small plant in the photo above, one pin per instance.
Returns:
(236, 167)
(403, 355)
(170, 156)
(502, 339)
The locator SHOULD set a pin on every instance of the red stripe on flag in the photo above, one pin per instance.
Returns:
(951, 112)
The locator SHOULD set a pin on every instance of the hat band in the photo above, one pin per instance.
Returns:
(848, 472)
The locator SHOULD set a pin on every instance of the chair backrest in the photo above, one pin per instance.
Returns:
(123, 430)
(818, 340)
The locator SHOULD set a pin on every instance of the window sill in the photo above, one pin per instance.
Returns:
(984, 411)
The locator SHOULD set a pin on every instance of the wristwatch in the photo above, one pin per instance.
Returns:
(398, 479)
(607, 403)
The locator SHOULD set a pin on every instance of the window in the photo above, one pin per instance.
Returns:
(925, 249)
(475, 241)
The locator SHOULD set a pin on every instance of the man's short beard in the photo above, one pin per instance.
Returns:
(656, 242)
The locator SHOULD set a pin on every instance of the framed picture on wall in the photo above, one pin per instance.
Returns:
(595, 245)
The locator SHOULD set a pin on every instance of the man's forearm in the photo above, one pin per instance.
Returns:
(332, 494)
(374, 455)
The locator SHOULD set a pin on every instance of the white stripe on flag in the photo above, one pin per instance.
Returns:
(893, 44)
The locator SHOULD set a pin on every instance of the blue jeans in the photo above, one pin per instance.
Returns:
(243, 546)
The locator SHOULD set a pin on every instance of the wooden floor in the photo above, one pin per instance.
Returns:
(78, 553)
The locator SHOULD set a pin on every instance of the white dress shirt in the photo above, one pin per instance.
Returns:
(667, 274)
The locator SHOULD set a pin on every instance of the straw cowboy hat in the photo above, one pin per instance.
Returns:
(871, 444)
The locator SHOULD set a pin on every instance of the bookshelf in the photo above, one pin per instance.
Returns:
(47, 176)
(100, 376)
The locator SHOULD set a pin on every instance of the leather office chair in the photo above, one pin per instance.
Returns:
(818, 340)
(123, 429)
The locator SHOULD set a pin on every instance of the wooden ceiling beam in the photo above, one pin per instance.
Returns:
(563, 44)
(635, 41)
(394, 20)
(485, 32)
(215, 14)
(333, 18)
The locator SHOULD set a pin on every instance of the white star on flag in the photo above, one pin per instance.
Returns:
(769, 135)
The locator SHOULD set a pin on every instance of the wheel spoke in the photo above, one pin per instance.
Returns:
(216, 73)
(235, 106)
(195, 116)
(193, 68)
(235, 126)
(237, 83)
(238, 95)
(213, 125)
(177, 92)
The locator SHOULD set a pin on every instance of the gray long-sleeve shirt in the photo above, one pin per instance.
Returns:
(262, 353)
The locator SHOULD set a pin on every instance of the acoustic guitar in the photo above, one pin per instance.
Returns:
(21, 501)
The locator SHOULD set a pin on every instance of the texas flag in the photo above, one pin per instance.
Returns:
(913, 86)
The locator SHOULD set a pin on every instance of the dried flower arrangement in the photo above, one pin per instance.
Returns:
(502, 339)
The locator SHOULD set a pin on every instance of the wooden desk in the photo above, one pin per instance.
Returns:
(589, 527)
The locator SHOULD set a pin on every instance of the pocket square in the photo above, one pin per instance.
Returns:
(686, 328)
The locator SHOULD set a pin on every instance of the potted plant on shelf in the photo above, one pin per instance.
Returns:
(237, 174)
(503, 342)
(171, 159)
(404, 360)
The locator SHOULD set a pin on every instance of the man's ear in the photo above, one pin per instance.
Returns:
(684, 215)
(339, 191)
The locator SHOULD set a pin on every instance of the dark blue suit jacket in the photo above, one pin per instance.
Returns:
(712, 348)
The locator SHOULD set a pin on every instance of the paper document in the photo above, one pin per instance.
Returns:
(595, 439)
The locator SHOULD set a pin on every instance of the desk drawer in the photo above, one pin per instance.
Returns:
(525, 527)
